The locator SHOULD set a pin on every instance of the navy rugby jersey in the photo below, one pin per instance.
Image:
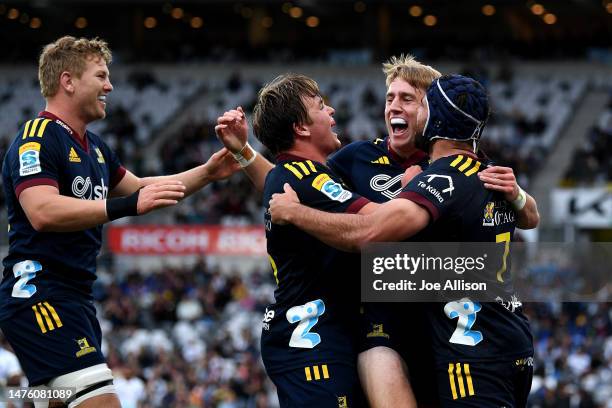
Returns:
(46, 151)
(462, 210)
(314, 317)
(372, 169)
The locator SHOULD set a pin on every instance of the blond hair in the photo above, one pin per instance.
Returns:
(407, 68)
(68, 54)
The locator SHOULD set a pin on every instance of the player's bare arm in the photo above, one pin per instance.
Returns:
(219, 166)
(232, 130)
(392, 221)
(498, 178)
(48, 210)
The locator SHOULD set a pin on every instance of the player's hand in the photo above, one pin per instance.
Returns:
(159, 195)
(232, 129)
(502, 179)
(410, 173)
(282, 205)
(221, 165)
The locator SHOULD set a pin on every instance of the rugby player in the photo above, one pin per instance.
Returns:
(490, 361)
(62, 182)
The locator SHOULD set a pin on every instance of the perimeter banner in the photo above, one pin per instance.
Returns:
(186, 240)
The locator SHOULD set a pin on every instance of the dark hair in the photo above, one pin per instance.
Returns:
(280, 105)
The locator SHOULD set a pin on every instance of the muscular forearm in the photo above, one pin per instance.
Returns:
(528, 217)
(347, 232)
(193, 179)
(257, 172)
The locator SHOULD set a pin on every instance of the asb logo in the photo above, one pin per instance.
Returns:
(330, 188)
(387, 186)
(83, 188)
(29, 159)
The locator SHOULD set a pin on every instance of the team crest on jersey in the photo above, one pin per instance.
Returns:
(377, 331)
(73, 156)
(29, 159)
(330, 188)
(342, 403)
(100, 156)
(497, 213)
(85, 348)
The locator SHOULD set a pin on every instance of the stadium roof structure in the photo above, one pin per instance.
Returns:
(209, 30)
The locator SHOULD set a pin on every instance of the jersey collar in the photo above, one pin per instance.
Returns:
(286, 156)
(415, 158)
(82, 141)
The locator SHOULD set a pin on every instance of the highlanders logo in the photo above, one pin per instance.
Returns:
(84, 346)
(488, 220)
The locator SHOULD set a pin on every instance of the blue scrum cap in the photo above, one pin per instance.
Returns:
(458, 109)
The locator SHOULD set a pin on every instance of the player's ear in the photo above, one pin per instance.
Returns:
(66, 82)
(300, 129)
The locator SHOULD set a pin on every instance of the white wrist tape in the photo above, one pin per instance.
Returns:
(245, 156)
(520, 201)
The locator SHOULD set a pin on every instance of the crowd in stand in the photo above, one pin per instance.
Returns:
(591, 164)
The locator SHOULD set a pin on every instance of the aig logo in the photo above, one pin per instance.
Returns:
(83, 188)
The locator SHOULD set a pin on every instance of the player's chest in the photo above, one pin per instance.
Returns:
(85, 173)
(377, 178)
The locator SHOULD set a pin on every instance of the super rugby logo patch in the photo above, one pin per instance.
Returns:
(29, 159)
(330, 188)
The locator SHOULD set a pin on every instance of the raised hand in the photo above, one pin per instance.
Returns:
(232, 129)
(221, 165)
(159, 195)
(282, 205)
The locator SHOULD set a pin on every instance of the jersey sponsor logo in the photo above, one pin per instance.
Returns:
(497, 213)
(511, 305)
(377, 331)
(383, 183)
(268, 316)
(85, 348)
(524, 362)
(73, 156)
(65, 126)
(381, 160)
(84, 189)
(460, 388)
(438, 194)
(330, 188)
(100, 156)
(29, 159)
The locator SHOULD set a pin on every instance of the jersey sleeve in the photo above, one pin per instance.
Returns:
(319, 188)
(107, 155)
(34, 159)
(436, 192)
